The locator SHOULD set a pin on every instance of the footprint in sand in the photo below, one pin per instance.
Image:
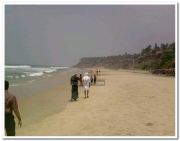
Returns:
(149, 124)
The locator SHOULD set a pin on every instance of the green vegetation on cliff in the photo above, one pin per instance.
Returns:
(150, 58)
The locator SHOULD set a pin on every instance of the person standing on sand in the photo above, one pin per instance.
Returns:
(95, 78)
(86, 84)
(74, 90)
(11, 106)
(80, 77)
(91, 80)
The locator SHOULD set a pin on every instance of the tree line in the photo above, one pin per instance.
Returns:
(151, 58)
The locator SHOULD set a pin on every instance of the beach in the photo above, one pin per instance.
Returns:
(131, 103)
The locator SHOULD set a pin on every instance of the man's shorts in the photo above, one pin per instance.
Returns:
(9, 124)
(86, 87)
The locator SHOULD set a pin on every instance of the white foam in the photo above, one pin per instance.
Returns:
(31, 71)
(14, 85)
(59, 67)
(13, 67)
(23, 75)
(36, 74)
(31, 81)
(50, 71)
(10, 76)
(17, 76)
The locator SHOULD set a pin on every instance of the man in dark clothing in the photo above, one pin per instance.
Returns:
(92, 80)
(74, 90)
(95, 79)
(11, 106)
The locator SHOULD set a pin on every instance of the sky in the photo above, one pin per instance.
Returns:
(59, 35)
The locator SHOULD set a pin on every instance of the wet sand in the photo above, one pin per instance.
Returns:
(130, 104)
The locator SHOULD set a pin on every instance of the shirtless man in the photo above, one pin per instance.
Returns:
(86, 84)
(11, 106)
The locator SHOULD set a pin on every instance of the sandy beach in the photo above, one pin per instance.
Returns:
(130, 103)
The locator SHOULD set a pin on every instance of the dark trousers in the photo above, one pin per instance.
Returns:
(9, 124)
(74, 92)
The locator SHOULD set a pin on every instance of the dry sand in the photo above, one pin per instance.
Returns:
(130, 104)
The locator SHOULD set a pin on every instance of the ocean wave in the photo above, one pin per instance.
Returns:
(50, 71)
(23, 71)
(16, 85)
(10, 76)
(16, 76)
(36, 74)
(23, 75)
(36, 67)
(59, 67)
(14, 67)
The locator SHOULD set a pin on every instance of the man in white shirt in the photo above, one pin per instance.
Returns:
(86, 84)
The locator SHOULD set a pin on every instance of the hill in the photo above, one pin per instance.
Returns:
(157, 59)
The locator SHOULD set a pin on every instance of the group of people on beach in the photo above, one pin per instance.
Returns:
(11, 104)
(86, 80)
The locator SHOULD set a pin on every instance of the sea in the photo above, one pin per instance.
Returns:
(19, 75)
(27, 82)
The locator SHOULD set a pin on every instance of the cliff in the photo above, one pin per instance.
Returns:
(150, 58)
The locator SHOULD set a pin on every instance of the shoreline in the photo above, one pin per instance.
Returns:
(43, 83)
(38, 99)
(130, 104)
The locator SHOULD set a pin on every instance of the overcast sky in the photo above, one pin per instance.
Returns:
(62, 34)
